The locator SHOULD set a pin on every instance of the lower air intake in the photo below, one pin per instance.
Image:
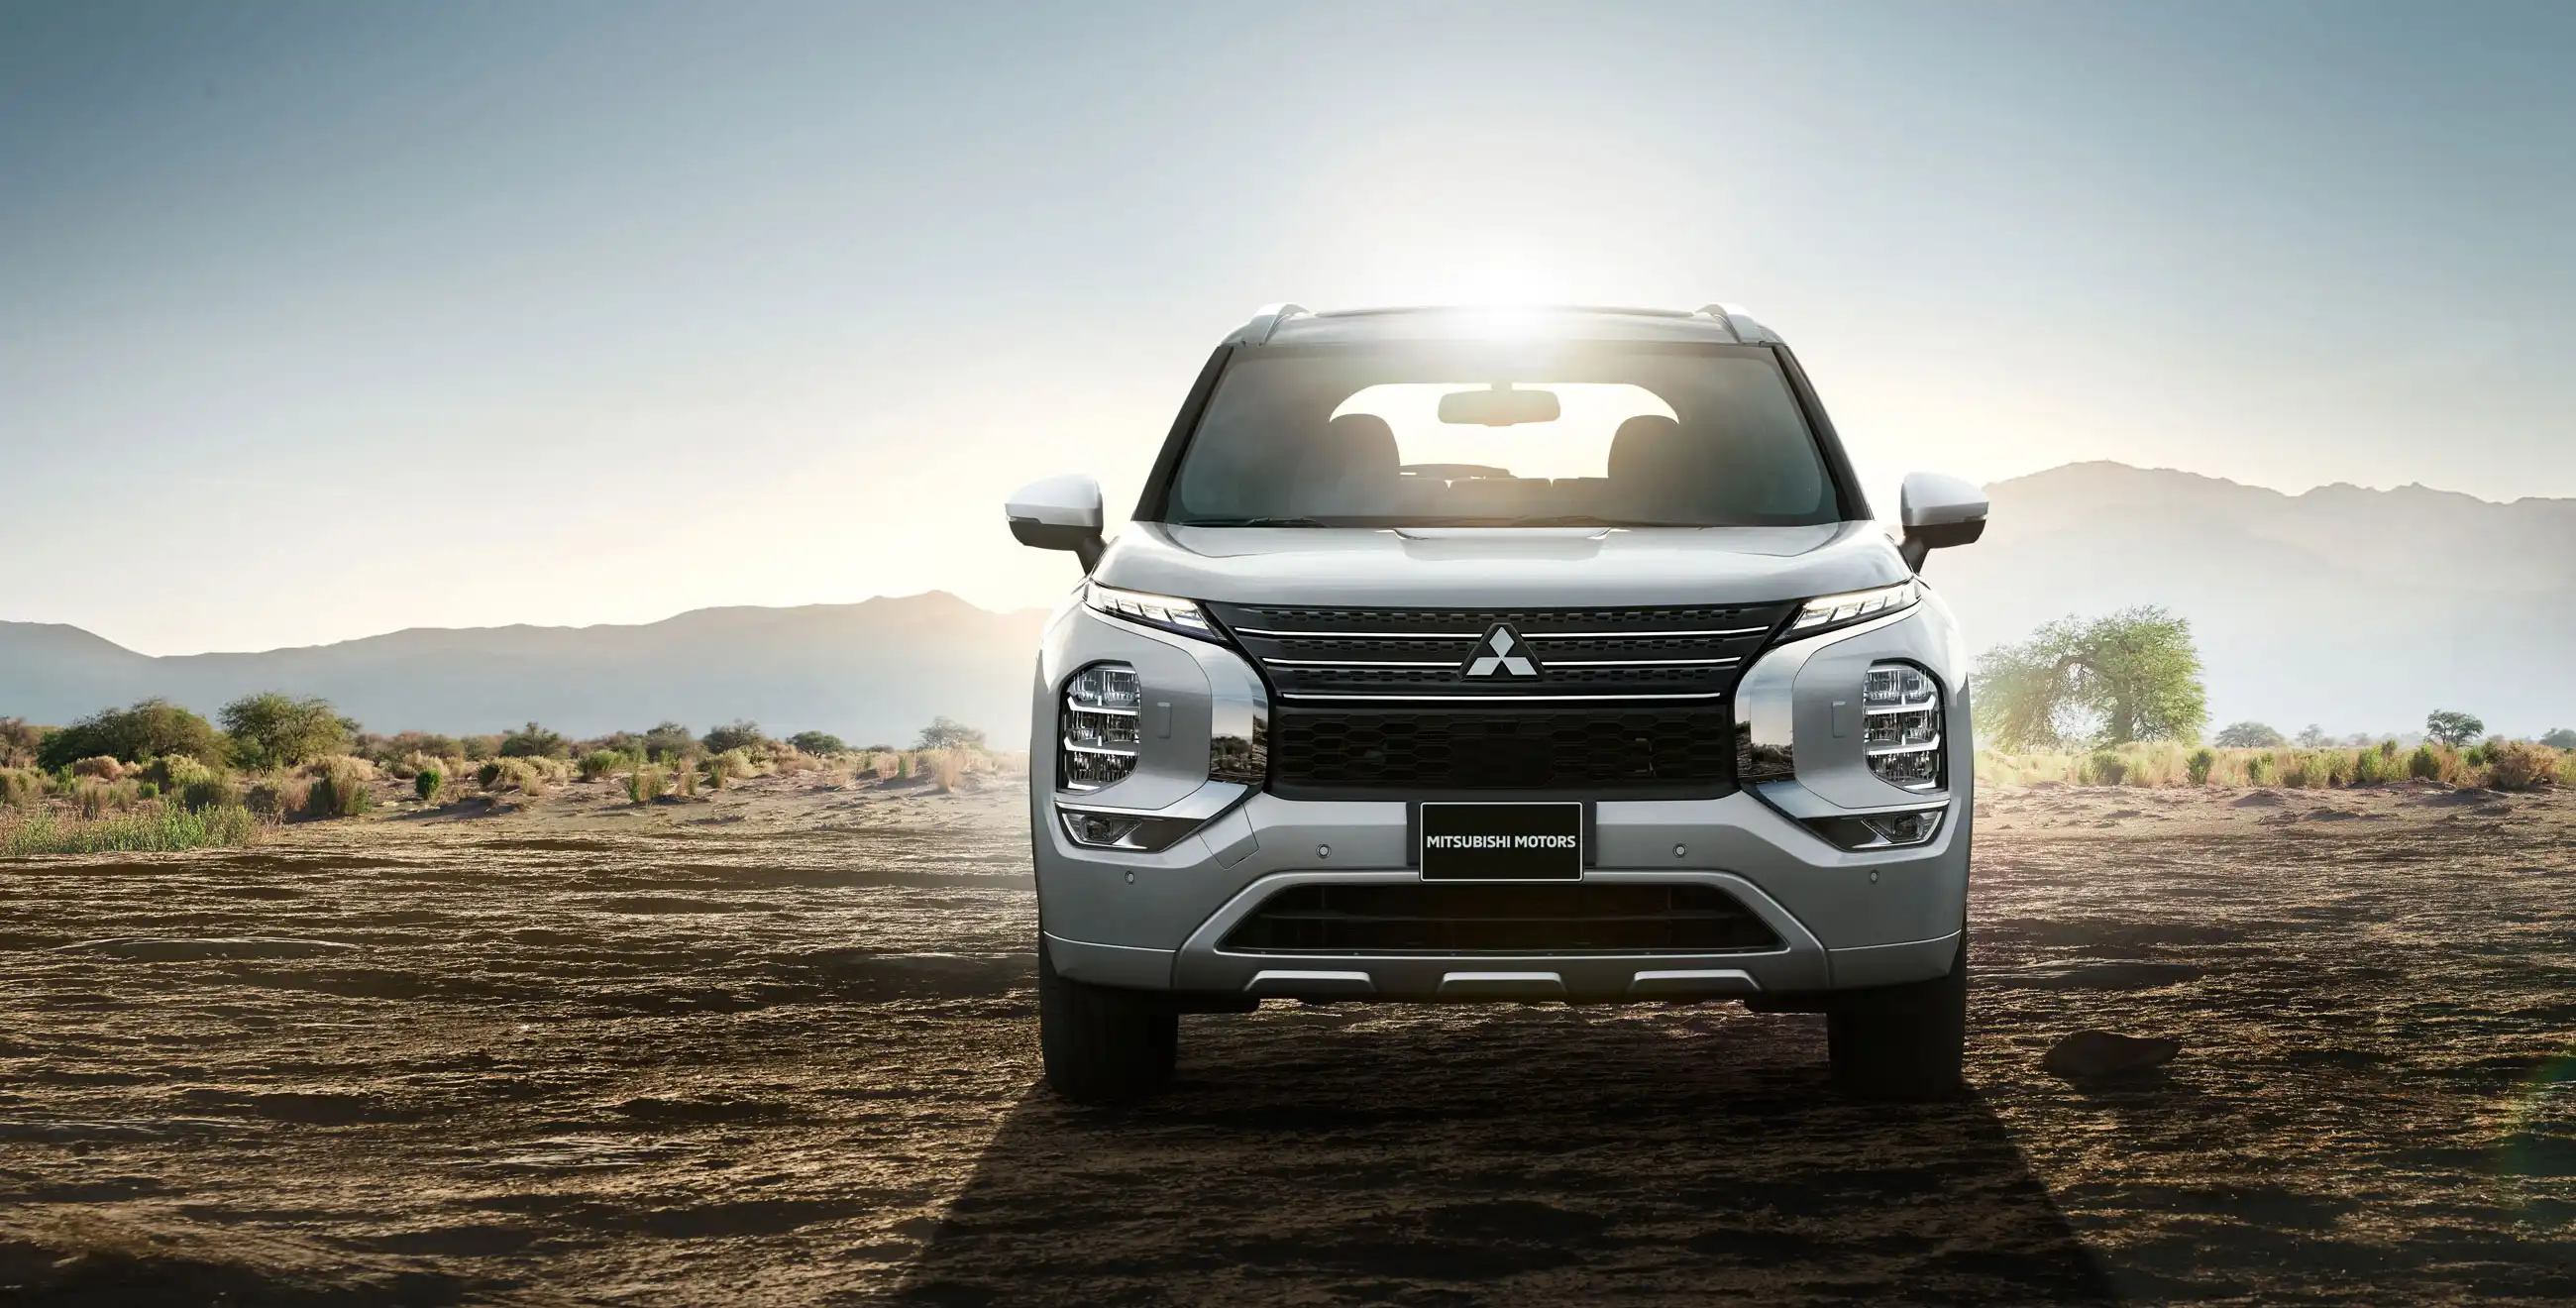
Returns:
(1423, 918)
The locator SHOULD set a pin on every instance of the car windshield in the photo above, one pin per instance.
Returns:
(1632, 434)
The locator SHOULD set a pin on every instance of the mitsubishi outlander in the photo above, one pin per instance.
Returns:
(1501, 656)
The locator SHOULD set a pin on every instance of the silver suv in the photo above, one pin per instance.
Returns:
(1468, 655)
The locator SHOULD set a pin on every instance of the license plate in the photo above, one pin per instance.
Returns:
(1502, 842)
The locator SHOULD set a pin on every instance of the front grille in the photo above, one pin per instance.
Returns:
(1431, 749)
(1617, 701)
(1361, 655)
(1430, 918)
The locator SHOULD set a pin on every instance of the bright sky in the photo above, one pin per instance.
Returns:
(320, 320)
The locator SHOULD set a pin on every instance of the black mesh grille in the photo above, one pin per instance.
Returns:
(1469, 748)
(1592, 918)
(1669, 653)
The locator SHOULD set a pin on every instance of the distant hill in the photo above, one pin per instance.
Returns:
(2357, 609)
(2360, 610)
(872, 672)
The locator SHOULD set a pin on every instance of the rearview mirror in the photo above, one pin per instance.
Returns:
(1060, 513)
(1939, 512)
(1500, 407)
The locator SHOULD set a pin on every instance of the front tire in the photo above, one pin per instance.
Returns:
(1905, 1042)
(1101, 1044)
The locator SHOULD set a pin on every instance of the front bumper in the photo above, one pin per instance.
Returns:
(1844, 920)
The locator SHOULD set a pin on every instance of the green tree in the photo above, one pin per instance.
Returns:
(270, 730)
(2562, 738)
(949, 733)
(152, 728)
(2131, 676)
(668, 741)
(533, 741)
(2249, 735)
(2452, 727)
(734, 735)
(816, 742)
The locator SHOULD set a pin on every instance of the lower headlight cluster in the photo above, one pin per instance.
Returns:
(1098, 744)
(1880, 830)
(1903, 707)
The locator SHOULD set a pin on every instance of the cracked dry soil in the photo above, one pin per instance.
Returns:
(777, 1048)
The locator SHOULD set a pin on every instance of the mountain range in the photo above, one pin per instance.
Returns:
(874, 672)
(2357, 609)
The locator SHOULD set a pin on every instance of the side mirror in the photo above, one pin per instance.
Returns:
(1060, 513)
(1939, 512)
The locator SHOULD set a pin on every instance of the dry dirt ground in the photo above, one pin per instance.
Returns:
(777, 1048)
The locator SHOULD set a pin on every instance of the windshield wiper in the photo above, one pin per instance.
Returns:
(1256, 522)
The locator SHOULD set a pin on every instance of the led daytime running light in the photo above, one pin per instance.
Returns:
(1853, 606)
(1164, 611)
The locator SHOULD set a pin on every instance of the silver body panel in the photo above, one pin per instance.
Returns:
(1846, 919)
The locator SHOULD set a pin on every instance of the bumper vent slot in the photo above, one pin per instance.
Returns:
(1500, 920)
(1428, 751)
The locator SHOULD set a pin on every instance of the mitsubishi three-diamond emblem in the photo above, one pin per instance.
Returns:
(1501, 654)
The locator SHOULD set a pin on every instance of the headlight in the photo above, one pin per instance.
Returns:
(1098, 720)
(1826, 612)
(1902, 706)
(1164, 611)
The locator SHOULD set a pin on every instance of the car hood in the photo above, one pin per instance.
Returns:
(1500, 566)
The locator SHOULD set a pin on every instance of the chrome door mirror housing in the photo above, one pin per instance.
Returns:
(1059, 513)
(1939, 512)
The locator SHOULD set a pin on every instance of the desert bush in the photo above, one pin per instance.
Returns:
(209, 790)
(2201, 762)
(2103, 768)
(684, 779)
(344, 790)
(647, 783)
(103, 767)
(533, 741)
(270, 730)
(2520, 765)
(599, 763)
(817, 742)
(520, 774)
(425, 782)
(488, 775)
(2425, 764)
(20, 743)
(149, 729)
(2370, 768)
(946, 768)
(743, 735)
(667, 741)
(725, 766)
(177, 771)
(278, 796)
(2567, 768)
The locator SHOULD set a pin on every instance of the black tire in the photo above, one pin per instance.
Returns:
(1103, 1045)
(1903, 1042)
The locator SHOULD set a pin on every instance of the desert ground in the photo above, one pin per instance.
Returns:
(776, 1046)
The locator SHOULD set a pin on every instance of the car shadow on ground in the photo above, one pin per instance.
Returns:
(1597, 1157)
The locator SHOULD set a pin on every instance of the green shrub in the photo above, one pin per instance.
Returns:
(817, 742)
(2200, 763)
(600, 762)
(2258, 769)
(2388, 748)
(207, 791)
(2370, 768)
(488, 775)
(667, 742)
(147, 790)
(732, 736)
(2425, 764)
(2104, 768)
(278, 797)
(341, 791)
(684, 779)
(150, 729)
(425, 783)
(647, 783)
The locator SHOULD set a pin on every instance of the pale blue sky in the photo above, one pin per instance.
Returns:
(322, 320)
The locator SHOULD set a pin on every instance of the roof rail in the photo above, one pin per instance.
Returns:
(1266, 320)
(1740, 321)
